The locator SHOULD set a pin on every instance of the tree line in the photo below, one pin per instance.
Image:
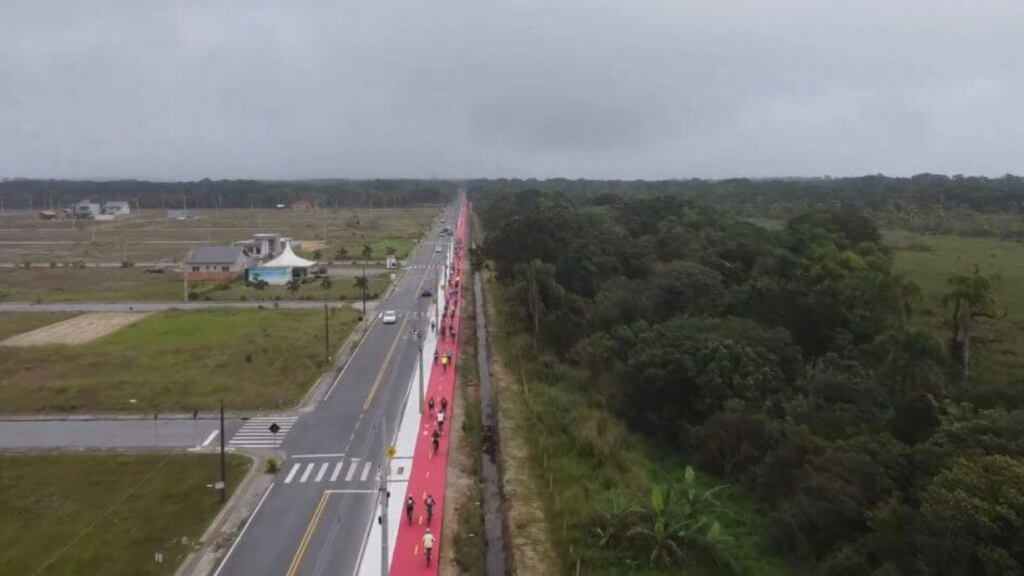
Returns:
(782, 362)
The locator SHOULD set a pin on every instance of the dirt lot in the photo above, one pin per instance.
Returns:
(77, 330)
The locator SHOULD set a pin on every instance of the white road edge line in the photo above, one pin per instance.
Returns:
(351, 492)
(317, 456)
(291, 474)
(351, 356)
(211, 437)
(244, 528)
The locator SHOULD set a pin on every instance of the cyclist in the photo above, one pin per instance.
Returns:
(435, 356)
(440, 422)
(436, 440)
(444, 404)
(429, 503)
(410, 505)
(428, 544)
(430, 405)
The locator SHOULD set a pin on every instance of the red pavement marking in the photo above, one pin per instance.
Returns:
(429, 472)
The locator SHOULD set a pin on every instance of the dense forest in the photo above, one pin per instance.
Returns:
(18, 194)
(969, 205)
(781, 363)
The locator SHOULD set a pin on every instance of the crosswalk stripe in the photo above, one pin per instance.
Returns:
(351, 471)
(337, 470)
(320, 474)
(366, 472)
(295, 468)
(309, 469)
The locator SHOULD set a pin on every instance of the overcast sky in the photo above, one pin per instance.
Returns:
(518, 88)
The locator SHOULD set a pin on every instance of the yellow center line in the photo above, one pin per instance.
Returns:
(301, 551)
(384, 365)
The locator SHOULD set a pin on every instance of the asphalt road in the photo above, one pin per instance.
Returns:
(114, 433)
(315, 517)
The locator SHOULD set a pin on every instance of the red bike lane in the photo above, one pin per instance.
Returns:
(429, 471)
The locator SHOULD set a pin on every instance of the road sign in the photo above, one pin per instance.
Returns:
(274, 428)
(390, 452)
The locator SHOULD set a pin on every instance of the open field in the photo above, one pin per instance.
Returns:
(929, 260)
(177, 361)
(149, 237)
(77, 330)
(136, 285)
(12, 323)
(74, 514)
(87, 285)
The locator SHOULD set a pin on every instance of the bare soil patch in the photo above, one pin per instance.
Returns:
(77, 330)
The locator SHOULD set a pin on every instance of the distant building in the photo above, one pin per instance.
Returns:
(302, 205)
(286, 267)
(264, 246)
(117, 208)
(179, 215)
(216, 263)
(390, 261)
(86, 210)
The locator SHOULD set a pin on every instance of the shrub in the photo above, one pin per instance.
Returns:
(272, 465)
(53, 264)
(127, 264)
(193, 295)
(26, 264)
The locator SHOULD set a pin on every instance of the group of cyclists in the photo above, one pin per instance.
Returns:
(445, 360)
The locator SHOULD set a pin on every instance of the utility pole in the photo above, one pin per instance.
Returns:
(419, 346)
(184, 273)
(385, 494)
(327, 338)
(223, 480)
(364, 289)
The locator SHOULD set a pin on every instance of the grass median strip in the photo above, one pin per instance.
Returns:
(106, 513)
(177, 361)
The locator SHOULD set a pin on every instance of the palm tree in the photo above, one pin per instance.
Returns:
(317, 254)
(326, 283)
(367, 252)
(363, 285)
(340, 253)
(970, 297)
(294, 284)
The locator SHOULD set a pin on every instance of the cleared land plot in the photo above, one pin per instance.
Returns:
(73, 514)
(12, 323)
(929, 260)
(177, 361)
(77, 330)
(88, 285)
(148, 237)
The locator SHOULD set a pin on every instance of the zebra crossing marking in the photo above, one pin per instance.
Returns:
(255, 433)
(317, 472)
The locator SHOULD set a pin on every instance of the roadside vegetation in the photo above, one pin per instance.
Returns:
(710, 396)
(178, 361)
(70, 514)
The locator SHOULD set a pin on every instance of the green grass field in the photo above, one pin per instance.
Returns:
(87, 285)
(12, 323)
(929, 260)
(177, 361)
(73, 514)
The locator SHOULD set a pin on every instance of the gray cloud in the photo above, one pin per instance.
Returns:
(594, 88)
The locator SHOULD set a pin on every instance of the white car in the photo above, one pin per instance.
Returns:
(388, 317)
(437, 249)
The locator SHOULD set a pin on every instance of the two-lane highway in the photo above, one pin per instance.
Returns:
(315, 516)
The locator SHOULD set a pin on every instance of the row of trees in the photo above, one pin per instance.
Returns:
(783, 362)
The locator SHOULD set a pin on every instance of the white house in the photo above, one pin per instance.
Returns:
(117, 208)
(86, 210)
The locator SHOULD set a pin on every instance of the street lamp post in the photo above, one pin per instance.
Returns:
(419, 346)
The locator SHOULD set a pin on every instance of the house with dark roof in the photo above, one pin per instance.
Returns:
(216, 263)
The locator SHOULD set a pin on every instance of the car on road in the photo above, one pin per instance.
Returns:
(388, 317)
(426, 293)
(437, 248)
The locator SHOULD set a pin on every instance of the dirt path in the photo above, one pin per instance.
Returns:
(529, 546)
(77, 330)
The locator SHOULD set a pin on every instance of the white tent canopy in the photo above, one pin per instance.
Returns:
(287, 258)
